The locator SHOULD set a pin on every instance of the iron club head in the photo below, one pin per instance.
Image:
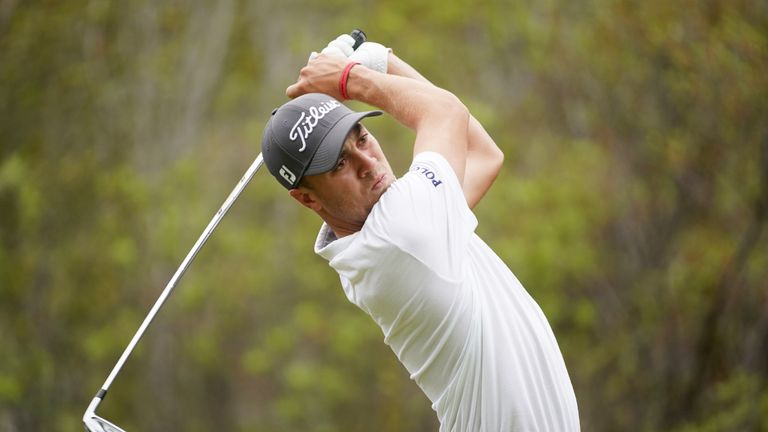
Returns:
(98, 424)
(94, 423)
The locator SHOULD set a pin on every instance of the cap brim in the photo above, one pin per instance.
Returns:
(330, 149)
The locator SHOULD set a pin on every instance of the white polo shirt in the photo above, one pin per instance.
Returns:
(454, 314)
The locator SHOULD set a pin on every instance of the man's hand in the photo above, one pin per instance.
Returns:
(323, 70)
(372, 55)
(320, 75)
(342, 46)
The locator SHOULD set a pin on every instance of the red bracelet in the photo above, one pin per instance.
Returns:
(344, 78)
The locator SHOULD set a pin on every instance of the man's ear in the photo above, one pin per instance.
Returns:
(305, 198)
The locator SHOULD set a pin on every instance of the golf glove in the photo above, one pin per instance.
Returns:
(341, 46)
(372, 55)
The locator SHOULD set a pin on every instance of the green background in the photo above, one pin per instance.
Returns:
(632, 205)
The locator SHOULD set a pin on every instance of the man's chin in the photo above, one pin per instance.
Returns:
(376, 199)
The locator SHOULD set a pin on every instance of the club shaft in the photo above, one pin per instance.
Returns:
(182, 268)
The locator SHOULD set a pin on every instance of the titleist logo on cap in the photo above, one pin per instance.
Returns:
(307, 122)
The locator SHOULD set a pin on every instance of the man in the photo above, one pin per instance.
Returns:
(405, 249)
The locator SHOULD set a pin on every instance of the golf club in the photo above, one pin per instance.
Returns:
(94, 423)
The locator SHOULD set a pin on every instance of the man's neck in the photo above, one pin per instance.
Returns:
(340, 231)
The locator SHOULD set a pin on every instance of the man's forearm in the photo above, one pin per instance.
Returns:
(407, 101)
(439, 118)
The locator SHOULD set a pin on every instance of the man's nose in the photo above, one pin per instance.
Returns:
(366, 164)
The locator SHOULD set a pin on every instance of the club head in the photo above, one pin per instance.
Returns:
(98, 424)
(94, 423)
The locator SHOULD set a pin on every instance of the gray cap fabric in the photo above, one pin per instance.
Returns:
(305, 137)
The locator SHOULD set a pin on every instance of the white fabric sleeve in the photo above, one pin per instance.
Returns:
(426, 215)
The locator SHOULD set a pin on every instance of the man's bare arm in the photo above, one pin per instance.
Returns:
(484, 158)
(438, 117)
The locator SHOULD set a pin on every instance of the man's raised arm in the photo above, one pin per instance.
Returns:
(484, 158)
(438, 117)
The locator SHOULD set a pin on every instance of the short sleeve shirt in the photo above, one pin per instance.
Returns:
(455, 315)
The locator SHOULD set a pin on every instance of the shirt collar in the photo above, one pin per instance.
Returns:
(327, 245)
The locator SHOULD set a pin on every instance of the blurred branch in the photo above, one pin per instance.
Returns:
(709, 350)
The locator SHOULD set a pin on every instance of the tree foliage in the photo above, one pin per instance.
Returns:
(632, 205)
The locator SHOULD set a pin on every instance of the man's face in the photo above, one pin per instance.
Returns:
(345, 196)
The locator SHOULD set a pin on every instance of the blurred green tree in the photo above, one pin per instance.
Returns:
(632, 206)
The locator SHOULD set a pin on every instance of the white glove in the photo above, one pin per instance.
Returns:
(372, 55)
(341, 46)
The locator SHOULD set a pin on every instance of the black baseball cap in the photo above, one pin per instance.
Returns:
(305, 137)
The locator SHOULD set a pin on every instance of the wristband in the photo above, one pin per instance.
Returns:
(344, 78)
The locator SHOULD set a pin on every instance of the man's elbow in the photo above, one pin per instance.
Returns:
(452, 109)
(459, 109)
(495, 160)
(445, 112)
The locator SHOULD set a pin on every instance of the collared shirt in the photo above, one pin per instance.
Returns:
(470, 335)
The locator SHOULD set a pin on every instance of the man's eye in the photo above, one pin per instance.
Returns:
(362, 140)
(340, 164)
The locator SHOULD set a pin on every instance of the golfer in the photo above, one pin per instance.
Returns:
(405, 249)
